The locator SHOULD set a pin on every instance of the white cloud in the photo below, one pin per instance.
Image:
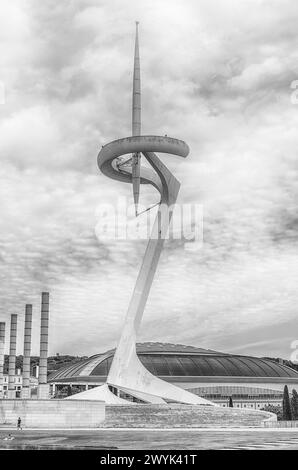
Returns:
(216, 74)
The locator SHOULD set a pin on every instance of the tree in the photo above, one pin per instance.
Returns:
(294, 403)
(286, 406)
(231, 402)
(277, 409)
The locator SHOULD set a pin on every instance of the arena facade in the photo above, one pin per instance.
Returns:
(252, 382)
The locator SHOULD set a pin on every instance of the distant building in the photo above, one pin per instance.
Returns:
(252, 382)
(18, 380)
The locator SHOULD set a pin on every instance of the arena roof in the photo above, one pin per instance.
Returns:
(166, 360)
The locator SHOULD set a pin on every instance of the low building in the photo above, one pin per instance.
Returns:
(18, 384)
(252, 382)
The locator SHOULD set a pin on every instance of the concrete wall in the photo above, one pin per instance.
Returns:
(280, 424)
(182, 416)
(52, 413)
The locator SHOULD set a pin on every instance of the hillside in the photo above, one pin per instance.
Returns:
(54, 362)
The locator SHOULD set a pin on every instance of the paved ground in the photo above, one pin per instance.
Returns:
(248, 439)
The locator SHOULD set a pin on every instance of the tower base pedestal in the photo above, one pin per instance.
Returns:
(43, 392)
(11, 394)
(26, 393)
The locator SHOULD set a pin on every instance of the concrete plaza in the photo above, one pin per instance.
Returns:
(130, 439)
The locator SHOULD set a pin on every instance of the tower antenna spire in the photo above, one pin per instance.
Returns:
(136, 120)
(136, 93)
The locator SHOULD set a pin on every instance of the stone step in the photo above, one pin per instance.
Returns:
(176, 415)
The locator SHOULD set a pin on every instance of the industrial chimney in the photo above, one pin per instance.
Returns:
(27, 352)
(43, 387)
(12, 356)
(2, 344)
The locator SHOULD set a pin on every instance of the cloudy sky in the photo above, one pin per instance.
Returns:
(216, 74)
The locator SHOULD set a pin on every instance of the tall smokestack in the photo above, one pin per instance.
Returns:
(43, 387)
(2, 344)
(12, 356)
(27, 352)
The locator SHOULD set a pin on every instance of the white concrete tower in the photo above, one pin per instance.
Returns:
(27, 352)
(12, 356)
(2, 344)
(43, 387)
(127, 375)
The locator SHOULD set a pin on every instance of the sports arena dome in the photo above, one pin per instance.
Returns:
(250, 381)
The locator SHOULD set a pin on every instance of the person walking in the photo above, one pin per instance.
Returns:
(19, 427)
